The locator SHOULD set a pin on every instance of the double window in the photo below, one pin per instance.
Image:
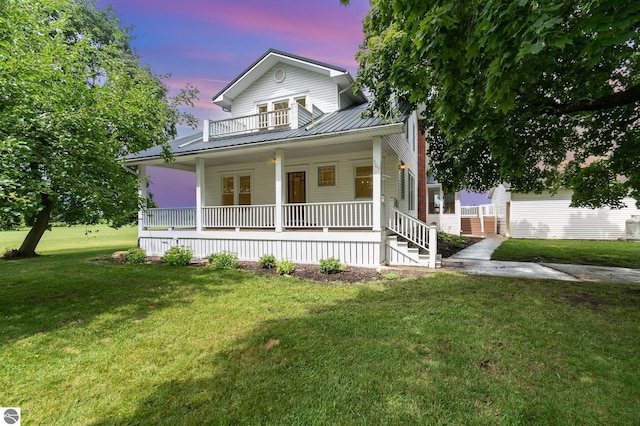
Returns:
(236, 189)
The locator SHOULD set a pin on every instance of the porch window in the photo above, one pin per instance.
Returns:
(364, 182)
(449, 203)
(236, 190)
(227, 191)
(301, 101)
(327, 176)
(412, 191)
(244, 195)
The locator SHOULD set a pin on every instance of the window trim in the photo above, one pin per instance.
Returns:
(236, 187)
(354, 168)
(335, 175)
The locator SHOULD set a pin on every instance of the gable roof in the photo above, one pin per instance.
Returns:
(349, 120)
(271, 57)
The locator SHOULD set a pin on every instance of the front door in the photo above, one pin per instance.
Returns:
(296, 194)
(297, 188)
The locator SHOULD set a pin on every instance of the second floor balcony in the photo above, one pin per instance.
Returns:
(287, 118)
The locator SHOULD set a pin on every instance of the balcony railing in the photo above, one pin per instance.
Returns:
(251, 123)
(294, 118)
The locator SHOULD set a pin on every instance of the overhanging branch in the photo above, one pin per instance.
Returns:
(629, 96)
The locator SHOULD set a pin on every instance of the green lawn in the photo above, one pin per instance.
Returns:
(74, 238)
(86, 342)
(625, 254)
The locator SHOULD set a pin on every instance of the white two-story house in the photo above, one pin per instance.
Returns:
(297, 172)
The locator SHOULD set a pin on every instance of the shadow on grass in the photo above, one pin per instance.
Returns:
(431, 351)
(51, 292)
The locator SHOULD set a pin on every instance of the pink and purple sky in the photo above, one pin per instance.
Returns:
(209, 42)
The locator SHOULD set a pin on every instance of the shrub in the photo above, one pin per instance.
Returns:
(224, 260)
(268, 261)
(331, 266)
(285, 267)
(177, 256)
(451, 239)
(135, 255)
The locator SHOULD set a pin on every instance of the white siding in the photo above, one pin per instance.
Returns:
(545, 216)
(263, 178)
(405, 147)
(499, 198)
(320, 90)
(283, 246)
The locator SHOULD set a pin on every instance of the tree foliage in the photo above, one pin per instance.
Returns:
(537, 94)
(74, 98)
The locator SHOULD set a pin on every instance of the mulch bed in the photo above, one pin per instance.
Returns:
(352, 274)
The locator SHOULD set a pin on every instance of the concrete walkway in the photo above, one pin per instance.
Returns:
(476, 260)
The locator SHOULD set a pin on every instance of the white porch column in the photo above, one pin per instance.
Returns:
(200, 182)
(377, 183)
(279, 189)
(142, 193)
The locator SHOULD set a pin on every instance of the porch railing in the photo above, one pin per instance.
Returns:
(258, 216)
(356, 214)
(478, 211)
(408, 227)
(169, 218)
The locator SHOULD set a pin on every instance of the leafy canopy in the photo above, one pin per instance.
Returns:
(74, 98)
(538, 94)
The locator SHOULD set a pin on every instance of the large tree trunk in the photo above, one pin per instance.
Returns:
(28, 247)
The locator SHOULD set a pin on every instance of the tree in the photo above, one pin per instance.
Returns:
(538, 94)
(74, 99)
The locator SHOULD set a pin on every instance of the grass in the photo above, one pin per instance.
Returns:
(99, 343)
(624, 254)
(74, 238)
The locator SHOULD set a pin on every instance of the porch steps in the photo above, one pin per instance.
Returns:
(401, 252)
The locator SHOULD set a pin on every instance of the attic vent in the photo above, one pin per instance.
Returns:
(279, 75)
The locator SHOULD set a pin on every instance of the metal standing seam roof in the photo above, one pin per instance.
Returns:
(345, 120)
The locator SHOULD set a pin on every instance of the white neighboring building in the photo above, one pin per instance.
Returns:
(546, 216)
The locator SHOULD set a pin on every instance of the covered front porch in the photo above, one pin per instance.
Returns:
(339, 196)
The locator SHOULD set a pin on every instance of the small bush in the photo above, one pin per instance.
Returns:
(135, 255)
(224, 260)
(177, 256)
(268, 261)
(331, 266)
(451, 239)
(285, 267)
